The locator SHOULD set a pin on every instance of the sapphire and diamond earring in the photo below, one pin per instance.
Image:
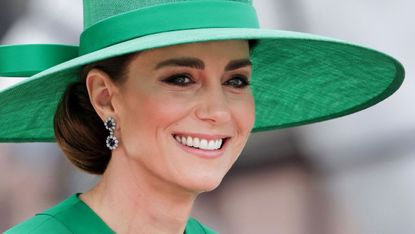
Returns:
(112, 141)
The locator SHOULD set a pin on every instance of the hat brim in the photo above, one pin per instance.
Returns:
(297, 79)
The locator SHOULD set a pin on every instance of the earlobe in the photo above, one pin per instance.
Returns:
(100, 90)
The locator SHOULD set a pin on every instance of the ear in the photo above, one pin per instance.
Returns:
(101, 90)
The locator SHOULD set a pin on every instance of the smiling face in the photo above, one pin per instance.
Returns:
(185, 112)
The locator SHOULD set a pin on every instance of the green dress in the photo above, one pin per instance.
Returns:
(75, 217)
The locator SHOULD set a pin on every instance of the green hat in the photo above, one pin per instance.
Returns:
(297, 78)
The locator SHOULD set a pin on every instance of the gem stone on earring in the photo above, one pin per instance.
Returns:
(110, 124)
(112, 141)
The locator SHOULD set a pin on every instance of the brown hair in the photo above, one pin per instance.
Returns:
(79, 130)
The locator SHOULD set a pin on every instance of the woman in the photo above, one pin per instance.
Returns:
(174, 83)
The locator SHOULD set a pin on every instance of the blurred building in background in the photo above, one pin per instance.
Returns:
(352, 175)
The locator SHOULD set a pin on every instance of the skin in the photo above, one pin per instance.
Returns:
(151, 182)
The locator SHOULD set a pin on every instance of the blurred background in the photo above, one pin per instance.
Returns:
(351, 175)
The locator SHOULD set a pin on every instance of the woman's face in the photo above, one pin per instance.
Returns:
(185, 112)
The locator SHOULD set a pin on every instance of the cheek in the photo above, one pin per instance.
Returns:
(164, 110)
(244, 113)
(150, 113)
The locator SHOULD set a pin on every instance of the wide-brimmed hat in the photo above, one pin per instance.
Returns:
(297, 78)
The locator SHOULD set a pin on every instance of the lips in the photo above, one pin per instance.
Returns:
(204, 143)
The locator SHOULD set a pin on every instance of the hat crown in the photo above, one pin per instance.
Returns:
(97, 10)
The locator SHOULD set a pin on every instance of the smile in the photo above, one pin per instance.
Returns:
(200, 143)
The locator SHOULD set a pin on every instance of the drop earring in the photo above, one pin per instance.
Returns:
(112, 141)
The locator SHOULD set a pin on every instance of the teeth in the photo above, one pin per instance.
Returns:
(189, 141)
(219, 143)
(196, 142)
(211, 144)
(203, 144)
(199, 143)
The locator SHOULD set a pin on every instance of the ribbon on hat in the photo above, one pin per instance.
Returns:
(165, 18)
(27, 60)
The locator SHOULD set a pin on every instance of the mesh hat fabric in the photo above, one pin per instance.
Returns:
(97, 10)
(297, 78)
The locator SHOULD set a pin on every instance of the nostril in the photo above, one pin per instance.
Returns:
(214, 109)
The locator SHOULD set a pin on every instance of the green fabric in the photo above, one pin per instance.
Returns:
(98, 10)
(297, 78)
(27, 60)
(178, 16)
(41, 224)
(75, 217)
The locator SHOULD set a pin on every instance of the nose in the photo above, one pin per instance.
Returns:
(213, 106)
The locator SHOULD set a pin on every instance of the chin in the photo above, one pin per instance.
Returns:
(205, 184)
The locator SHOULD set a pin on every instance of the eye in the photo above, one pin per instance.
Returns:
(179, 80)
(238, 82)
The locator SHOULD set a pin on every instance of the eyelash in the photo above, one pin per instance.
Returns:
(243, 82)
(173, 80)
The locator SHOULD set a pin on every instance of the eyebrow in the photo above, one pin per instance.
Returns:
(199, 64)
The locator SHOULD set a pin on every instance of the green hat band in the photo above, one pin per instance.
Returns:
(169, 17)
(27, 60)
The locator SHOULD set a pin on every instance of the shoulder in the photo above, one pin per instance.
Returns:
(47, 222)
(195, 227)
(39, 224)
(68, 216)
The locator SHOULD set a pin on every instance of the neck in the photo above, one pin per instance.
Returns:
(131, 200)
